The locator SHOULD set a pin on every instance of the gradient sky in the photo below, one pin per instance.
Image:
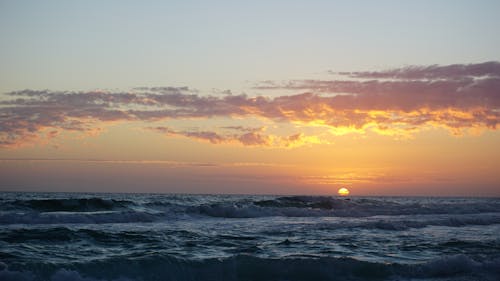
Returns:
(276, 97)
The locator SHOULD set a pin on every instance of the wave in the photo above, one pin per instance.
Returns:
(359, 207)
(405, 223)
(245, 267)
(68, 205)
(145, 208)
(322, 206)
(77, 218)
(64, 234)
(382, 223)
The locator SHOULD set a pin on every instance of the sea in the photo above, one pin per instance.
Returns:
(96, 236)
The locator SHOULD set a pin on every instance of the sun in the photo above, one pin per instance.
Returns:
(343, 191)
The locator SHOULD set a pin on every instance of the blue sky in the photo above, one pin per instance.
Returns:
(85, 45)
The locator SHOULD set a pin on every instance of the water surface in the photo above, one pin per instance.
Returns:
(68, 236)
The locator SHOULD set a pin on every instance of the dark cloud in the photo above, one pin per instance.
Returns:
(398, 101)
(433, 72)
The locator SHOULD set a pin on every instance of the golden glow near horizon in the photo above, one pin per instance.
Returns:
(343, 191)
(381, 136)
(194, 104)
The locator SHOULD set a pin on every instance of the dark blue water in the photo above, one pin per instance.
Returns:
(67, 236)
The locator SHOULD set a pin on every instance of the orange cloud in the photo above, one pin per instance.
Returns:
(254, 137)
(397, 102)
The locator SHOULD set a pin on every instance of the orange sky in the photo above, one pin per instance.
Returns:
(408, 131)
(276, 97)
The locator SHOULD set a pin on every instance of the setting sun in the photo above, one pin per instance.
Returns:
(343, 191)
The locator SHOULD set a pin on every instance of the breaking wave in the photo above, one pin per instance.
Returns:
(384, 211)
(68, 205)
(322, 206)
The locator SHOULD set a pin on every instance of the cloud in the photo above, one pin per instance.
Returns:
(255, 137)
(212, 137)
(457, 97)
(114, 161)
(432, 72)
(396, 102)
(355, 178)
(27, 113)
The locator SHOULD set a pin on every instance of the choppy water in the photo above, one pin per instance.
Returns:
(63, 236)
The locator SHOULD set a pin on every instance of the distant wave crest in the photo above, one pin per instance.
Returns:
(315, 206)
(102, 210)
(68, 204)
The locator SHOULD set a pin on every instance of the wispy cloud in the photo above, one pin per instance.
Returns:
(395, 102)
(166, 163)
(432, 72)
(247, 137)
(355, 178)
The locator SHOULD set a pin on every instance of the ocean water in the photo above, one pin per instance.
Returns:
(68, 236)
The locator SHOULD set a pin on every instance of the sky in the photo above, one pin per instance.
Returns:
(250, 97)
